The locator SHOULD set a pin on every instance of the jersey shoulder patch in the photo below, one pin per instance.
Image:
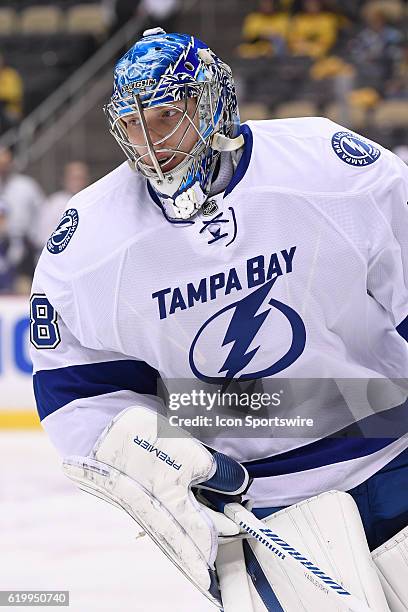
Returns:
(61, 236)
(353, 149)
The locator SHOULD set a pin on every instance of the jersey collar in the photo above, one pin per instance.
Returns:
(244, 160)
(237, 176)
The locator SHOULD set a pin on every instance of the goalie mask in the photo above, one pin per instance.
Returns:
(173, 109)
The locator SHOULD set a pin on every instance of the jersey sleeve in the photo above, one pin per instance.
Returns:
(388, 260)
(79, 390)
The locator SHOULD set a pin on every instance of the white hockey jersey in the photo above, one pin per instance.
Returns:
(298, 272)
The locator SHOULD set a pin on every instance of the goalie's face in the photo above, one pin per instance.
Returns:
(164, 135)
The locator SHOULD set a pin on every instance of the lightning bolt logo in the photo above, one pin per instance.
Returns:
(243, 328)
(63, 228)
(61, 237)
(244, 325)
(357, 147)
(353, 150)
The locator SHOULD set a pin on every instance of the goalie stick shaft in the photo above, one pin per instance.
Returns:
(293, 562)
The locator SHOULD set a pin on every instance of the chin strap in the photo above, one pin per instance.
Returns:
(189, 202)
(223, 143)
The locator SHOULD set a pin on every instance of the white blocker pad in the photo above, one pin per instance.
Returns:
(327, 529)
(143, 465)
(391, 559)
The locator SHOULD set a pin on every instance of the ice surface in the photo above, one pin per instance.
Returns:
(53, 537)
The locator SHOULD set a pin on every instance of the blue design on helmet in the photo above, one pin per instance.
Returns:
(163, 70)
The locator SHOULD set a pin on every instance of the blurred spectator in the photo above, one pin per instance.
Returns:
(23, 198)
(313, 31)
(161, 13)
(11, 96)
(393, 10)
(402, 152)
(333, 80)
(11, 253)
(347, 10)
(397, 86)
(76, 178)
(121, 11)
(375, 49)
(264, 31)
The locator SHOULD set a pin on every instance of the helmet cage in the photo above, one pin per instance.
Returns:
(209, 108)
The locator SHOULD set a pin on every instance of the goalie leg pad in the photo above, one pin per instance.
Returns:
(143, 465)
(237, 590)
(391, 560)
(328, 530)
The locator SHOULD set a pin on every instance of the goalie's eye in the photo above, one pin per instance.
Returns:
(132, 122)
(169, 112)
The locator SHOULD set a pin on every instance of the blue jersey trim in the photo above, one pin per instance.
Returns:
(368, 436)
(56, 388)
(317, 454)
(402, 329)
(243, 162)
(260, 581)
(382, 501)
(262, 513)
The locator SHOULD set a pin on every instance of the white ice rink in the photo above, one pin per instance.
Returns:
(54, 537)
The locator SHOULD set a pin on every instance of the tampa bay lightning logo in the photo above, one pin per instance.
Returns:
(235, 358)
(60, 237)
(353, 150)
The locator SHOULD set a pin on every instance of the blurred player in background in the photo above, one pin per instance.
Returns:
(11, 95)
(11, 252)
(23, 198)
(76, 178)
(226, 253)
